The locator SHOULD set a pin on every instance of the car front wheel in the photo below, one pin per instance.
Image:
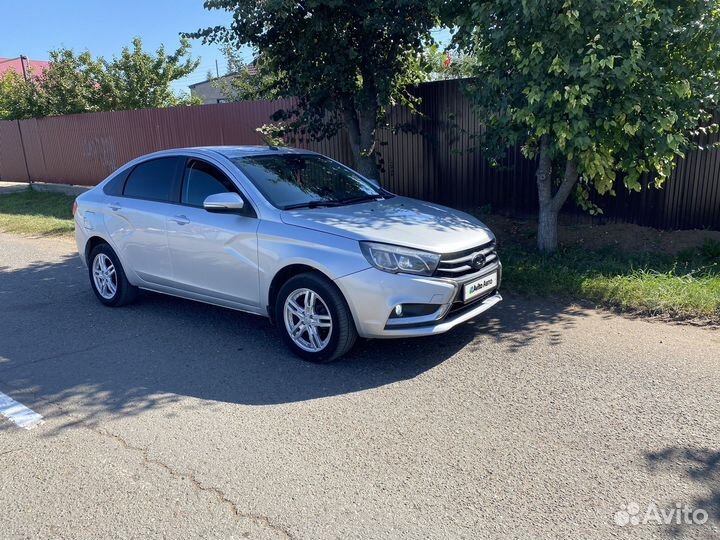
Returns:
(314, 318)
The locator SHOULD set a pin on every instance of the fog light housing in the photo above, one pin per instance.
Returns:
(403, 311)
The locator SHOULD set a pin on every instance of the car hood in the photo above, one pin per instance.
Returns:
(398, 220)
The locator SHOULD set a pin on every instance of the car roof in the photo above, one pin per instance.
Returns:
(238, 151)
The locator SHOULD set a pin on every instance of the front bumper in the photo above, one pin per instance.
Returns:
(372, 294)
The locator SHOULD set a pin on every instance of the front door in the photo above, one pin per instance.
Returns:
(213, 254)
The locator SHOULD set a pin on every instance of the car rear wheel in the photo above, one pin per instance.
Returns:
(107, 277)
(314, 318)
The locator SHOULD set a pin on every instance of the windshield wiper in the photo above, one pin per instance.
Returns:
(340, 202)
(311, 204)
(362, 198)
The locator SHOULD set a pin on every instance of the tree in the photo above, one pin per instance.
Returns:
(346, 61)
(438, 64)
(245, 81)
(141, 80)
(595, 89)
(16, 97)
(78, 83)
(71, 85)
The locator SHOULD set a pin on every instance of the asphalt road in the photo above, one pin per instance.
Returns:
(170, 419)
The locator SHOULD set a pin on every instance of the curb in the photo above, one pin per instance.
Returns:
(15, 187)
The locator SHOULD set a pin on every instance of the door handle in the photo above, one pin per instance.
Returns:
(115, 206)
(180, 220)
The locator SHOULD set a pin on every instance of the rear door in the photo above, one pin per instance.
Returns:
(213, 254)
(137, 219)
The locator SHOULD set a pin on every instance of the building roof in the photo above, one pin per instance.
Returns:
(250, 68)
(23, 66)
(208, 81)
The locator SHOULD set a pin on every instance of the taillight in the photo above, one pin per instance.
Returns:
(74, 208)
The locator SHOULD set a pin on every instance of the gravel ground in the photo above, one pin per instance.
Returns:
(170, 419)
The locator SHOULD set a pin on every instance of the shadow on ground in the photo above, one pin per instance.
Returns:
(702, 467)
(59, 344)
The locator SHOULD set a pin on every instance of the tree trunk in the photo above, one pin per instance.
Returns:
(547, 237)
(367, 161)
(550, 205)
(360, 124)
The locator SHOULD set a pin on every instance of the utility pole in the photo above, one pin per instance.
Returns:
(23, 59)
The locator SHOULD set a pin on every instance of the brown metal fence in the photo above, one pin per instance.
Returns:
(430, 158)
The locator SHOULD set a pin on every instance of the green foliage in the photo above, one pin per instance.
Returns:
(618, 86)
(346, 61)
(17, 97)
(138, 79)
(272, 134)
(247, 81)
(683, 286)
(327, 51)
(256, 81)
(711, 250)
(431, 63)
(71, 85)
(77, 83)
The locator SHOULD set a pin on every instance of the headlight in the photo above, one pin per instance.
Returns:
(389, 258)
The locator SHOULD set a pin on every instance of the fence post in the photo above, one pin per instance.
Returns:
(22, 145)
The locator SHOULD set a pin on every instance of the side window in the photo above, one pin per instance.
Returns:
(116, 183)
(201, 180)
(154, 180)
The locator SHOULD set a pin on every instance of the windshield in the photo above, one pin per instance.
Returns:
(296, 180)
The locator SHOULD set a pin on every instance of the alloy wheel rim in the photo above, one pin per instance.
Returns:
(307, 320)
(104, 276)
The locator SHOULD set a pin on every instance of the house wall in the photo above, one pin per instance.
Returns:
(207, 93)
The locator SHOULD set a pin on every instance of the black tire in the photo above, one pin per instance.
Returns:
(125, 293)
(343, 334)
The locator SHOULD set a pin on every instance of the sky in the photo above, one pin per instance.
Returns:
(34, 27)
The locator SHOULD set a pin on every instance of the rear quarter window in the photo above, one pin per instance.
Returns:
(115, 185)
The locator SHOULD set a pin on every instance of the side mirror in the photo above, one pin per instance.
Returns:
(223, 203)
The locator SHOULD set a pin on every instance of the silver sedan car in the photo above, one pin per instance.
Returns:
(288, 234)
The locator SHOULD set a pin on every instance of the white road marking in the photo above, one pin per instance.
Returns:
(18, 413)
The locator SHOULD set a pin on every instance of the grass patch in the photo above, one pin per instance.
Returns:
(37, 213)
(682, 286)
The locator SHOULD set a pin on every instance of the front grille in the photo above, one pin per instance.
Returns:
(459, 264)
